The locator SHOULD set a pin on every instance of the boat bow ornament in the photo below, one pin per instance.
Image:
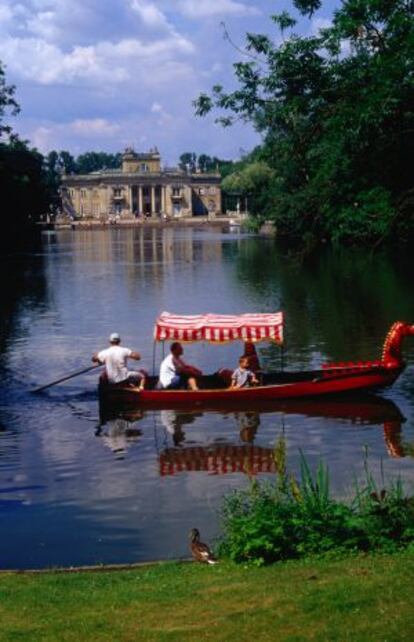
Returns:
(219, 328)
(391, 352)
(391, 356)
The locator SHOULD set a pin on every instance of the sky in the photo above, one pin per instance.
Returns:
(105, 74)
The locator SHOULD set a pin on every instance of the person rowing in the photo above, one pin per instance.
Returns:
(115, 359)
(175, 373)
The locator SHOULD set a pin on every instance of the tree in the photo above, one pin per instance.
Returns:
(8, 103)
(22, 177)
(95, 161)
(188, 161)
(336, 113)
(249, 179)
(23, 188)
(67, 162)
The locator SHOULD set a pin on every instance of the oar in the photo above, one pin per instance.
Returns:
(74, 374)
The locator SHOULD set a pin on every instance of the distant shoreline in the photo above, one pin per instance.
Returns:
(218, 221)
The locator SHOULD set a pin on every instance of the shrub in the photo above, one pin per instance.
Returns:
(290, 518)
(368, 219)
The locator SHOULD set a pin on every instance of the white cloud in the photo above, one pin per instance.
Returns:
(134, 48)
(163, 117)
(6, 13)
(39, 61)
(150, 14)
(208, 8)
(45, 63)
(93, 74)
(55, 135)
(42, 138)
(94, 127)
(10, 13)
(43, 25)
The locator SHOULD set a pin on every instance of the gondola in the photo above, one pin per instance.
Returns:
(329, 379)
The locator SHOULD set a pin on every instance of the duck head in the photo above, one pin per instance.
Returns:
(194, 535)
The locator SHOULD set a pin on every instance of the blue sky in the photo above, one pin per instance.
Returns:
(104, 74)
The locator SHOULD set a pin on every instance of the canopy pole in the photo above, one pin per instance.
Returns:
(153, 357)
(282, 357)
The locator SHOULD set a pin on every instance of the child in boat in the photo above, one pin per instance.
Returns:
(251, 354)
(242, 377)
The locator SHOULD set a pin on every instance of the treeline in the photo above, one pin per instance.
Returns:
(57, 163)
(336, 114)
(190, 161)
(22, 179)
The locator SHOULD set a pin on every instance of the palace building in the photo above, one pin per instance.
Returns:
(140, 188)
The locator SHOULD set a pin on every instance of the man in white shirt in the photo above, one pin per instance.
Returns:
(175, 373)
(115, 359)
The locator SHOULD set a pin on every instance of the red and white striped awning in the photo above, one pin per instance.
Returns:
(219, 328)
(218, 460)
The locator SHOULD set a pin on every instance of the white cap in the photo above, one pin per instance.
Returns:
(114, 337)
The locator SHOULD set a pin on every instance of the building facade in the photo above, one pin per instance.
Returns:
(140, 188)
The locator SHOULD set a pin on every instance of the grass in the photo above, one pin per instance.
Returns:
(359, 598)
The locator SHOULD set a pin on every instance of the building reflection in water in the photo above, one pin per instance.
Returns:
(143, 246)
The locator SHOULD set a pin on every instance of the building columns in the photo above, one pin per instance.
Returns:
(140, 208)
(130, 199)
(152, 200)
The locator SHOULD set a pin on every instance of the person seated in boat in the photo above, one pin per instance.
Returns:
(175, 373)
(115, 359)
(242, 377)
(251, 354)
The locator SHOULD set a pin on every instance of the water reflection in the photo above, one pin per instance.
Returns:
(73, 492)
(119, 433)
(173, 423)
(235, 450)
(338, 303)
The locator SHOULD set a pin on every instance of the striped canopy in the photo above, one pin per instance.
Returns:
(219, 328)
(218, 460)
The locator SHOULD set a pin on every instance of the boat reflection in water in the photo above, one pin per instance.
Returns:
(239, 453)
(227, 456)
(173, 423)
(118, 433)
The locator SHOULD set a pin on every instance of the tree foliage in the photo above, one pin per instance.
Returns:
(8, 104)
(22, 178)
(23, 188)
(336, 113)
(190, 161)
(95, 161)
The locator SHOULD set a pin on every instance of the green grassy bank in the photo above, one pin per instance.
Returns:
(354, 598)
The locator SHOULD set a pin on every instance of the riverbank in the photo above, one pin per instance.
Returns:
(195, 221)
(354, 598)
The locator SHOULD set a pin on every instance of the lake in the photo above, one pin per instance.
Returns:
(81, 487)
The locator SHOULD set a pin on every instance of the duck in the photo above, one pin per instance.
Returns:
(200, 551)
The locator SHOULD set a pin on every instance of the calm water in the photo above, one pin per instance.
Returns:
(77, 487)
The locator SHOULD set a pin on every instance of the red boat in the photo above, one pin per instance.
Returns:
(214, 390)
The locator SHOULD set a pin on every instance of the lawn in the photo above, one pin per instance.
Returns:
(354, 598)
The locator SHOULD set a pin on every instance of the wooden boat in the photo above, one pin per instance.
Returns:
(330, 379)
